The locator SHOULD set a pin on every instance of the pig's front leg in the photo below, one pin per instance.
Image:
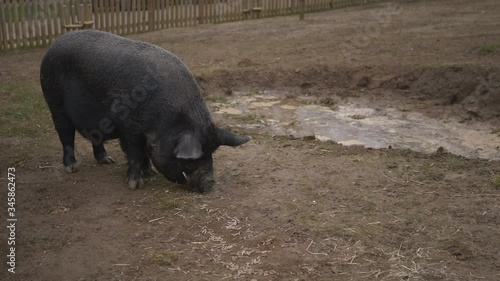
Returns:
(134, 148)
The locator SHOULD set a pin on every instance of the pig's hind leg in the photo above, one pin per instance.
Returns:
(101, 155)
(65, 130)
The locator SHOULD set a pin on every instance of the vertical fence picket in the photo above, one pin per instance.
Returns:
(140, 20)
(232, 11)
(211, 7)
(163, 13)
(145, 15)
(119, 16)
(30, 30)
(15, 21)
(151, 15)
(168, 13)
(50, 21)
(94, 14)
(201, 11)
(22, 22)
(132, 17)
(214, 11)
(43, 23)
(124, 16)
(37, 18)
(9, 24)
(181, 13)
(211, 10)
(99, 13)
(187, 6)
(157, 11)
(175, 13)
(113, 16)
(227, 11)
(208, 11)
(105, 14)
(189, 13)
(3, 24)
(139, 16)
(182, 16)
(137, 12)
(129, 17)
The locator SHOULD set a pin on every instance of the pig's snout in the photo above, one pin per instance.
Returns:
(203, 183)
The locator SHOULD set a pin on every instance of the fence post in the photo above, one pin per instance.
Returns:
(201, 11)
(3, 26)
(302, 9)
(151, 15)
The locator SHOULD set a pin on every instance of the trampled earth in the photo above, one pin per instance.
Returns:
(284, 207)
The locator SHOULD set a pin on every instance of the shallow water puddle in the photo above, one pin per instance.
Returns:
(352, 125)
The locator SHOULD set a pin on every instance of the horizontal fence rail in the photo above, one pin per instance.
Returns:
(34, 23)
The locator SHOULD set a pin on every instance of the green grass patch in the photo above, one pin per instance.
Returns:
(496, 181)
(326, 146)
(165, 258)
(204, 75)
(357, 117)
(245, 118)
(23, 111)
(430, 173)
(489, 48)
(252, 93)
(216, 99)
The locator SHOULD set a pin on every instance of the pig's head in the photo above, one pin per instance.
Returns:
(187, 158)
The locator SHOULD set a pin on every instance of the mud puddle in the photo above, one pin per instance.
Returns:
(354, 124)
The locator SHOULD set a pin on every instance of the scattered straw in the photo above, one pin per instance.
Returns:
(477, 277)
(312, 253)
(393, 180)
(157, 219)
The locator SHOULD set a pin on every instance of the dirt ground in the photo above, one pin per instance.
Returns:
(283, 208)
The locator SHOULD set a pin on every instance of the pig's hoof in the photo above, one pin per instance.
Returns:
(134, 184)
(106, 159)
(149, 172)
(71, 169)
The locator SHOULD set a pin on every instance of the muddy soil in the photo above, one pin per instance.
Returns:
(283, 208)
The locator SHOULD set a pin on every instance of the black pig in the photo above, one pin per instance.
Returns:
(106, 87)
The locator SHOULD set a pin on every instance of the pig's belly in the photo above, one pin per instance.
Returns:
(90, 118)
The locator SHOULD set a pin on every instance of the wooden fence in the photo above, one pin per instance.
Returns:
(33, 23)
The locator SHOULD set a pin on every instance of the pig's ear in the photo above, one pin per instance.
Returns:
(227, 138)
(188, 148)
